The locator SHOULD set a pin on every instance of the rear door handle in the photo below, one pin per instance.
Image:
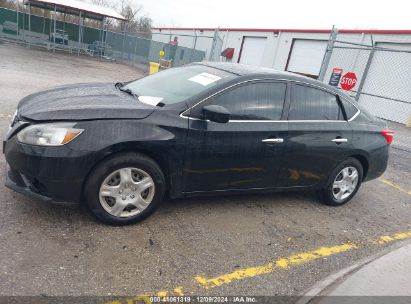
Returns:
(273, 140)
(339, 140)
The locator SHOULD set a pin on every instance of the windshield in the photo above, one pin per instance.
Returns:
(177, 84)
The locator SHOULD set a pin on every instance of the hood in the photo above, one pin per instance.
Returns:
(83, 102)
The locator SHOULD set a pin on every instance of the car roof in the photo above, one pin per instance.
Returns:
(250, 70)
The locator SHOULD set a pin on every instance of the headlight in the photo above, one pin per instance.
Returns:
(52, 134)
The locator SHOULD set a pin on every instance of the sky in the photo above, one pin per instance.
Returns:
(308, 14)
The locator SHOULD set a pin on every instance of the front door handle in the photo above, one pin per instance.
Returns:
(339, 140)
(273, 140)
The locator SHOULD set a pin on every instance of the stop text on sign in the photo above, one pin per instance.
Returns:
(348, 81)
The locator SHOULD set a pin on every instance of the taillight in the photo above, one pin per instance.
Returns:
(389, 136)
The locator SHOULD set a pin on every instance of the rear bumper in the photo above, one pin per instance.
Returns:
(378, 162)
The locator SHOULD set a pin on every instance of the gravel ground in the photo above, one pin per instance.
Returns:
(25, 71)
(54, 250)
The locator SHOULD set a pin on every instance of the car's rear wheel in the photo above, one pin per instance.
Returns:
(345, 181)
(125, 188)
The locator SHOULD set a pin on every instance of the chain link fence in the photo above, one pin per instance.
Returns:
(195, 39)
(383, 71)
(130, 48)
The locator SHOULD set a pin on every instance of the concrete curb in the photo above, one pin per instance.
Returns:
(321, 288)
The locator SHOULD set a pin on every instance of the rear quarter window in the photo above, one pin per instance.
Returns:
(350, 109)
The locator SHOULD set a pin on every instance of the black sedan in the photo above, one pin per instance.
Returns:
(206, 128)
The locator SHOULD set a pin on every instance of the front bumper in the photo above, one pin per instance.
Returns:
(23, 188)
(54, 174)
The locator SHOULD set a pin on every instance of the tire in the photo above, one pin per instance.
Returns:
(341, 189)
(124, 189)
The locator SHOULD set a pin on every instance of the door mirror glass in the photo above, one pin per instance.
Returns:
(216, 113)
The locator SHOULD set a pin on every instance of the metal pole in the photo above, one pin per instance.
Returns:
(180, 35)
(82, 31)
(124, 38)
(194, 46)
(364, 75)
(79, 34)
(195, 42)
(64, 23)
(44, 21)
(105, 31)
(17, 13)
(135, 48)
(328, 53)
(23, 26)
(102, 34)
(354, 64)
(277, 46)
(29, 24)
(210, 58)
(352, 43)
(54, 35)
(49, 39)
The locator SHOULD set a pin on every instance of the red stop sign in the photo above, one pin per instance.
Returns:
(348, 81)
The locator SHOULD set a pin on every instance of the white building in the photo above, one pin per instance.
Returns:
(385, 89)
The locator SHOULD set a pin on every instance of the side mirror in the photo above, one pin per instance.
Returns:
(216, 113)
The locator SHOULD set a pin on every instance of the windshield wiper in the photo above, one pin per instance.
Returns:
(128, 91)
(120, 85)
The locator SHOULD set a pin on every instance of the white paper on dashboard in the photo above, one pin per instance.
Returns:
(204, 78)
(151, 100)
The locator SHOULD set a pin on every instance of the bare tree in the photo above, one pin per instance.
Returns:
(133, 23)
(144, 24)
(130, 13)
(5, 3)
(12, 4)
(105, 3)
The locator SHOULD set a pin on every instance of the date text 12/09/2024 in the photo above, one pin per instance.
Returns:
(203, 299)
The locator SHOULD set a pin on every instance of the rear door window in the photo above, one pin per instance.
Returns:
(309, 103)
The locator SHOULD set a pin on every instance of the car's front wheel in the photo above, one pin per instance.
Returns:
(125, 188)
(345, 181)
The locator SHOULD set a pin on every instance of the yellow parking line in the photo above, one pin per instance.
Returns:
(394, 185)
(395, 237)
(162, 293)
(281, 263)
(201, 283)
(179, 291)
